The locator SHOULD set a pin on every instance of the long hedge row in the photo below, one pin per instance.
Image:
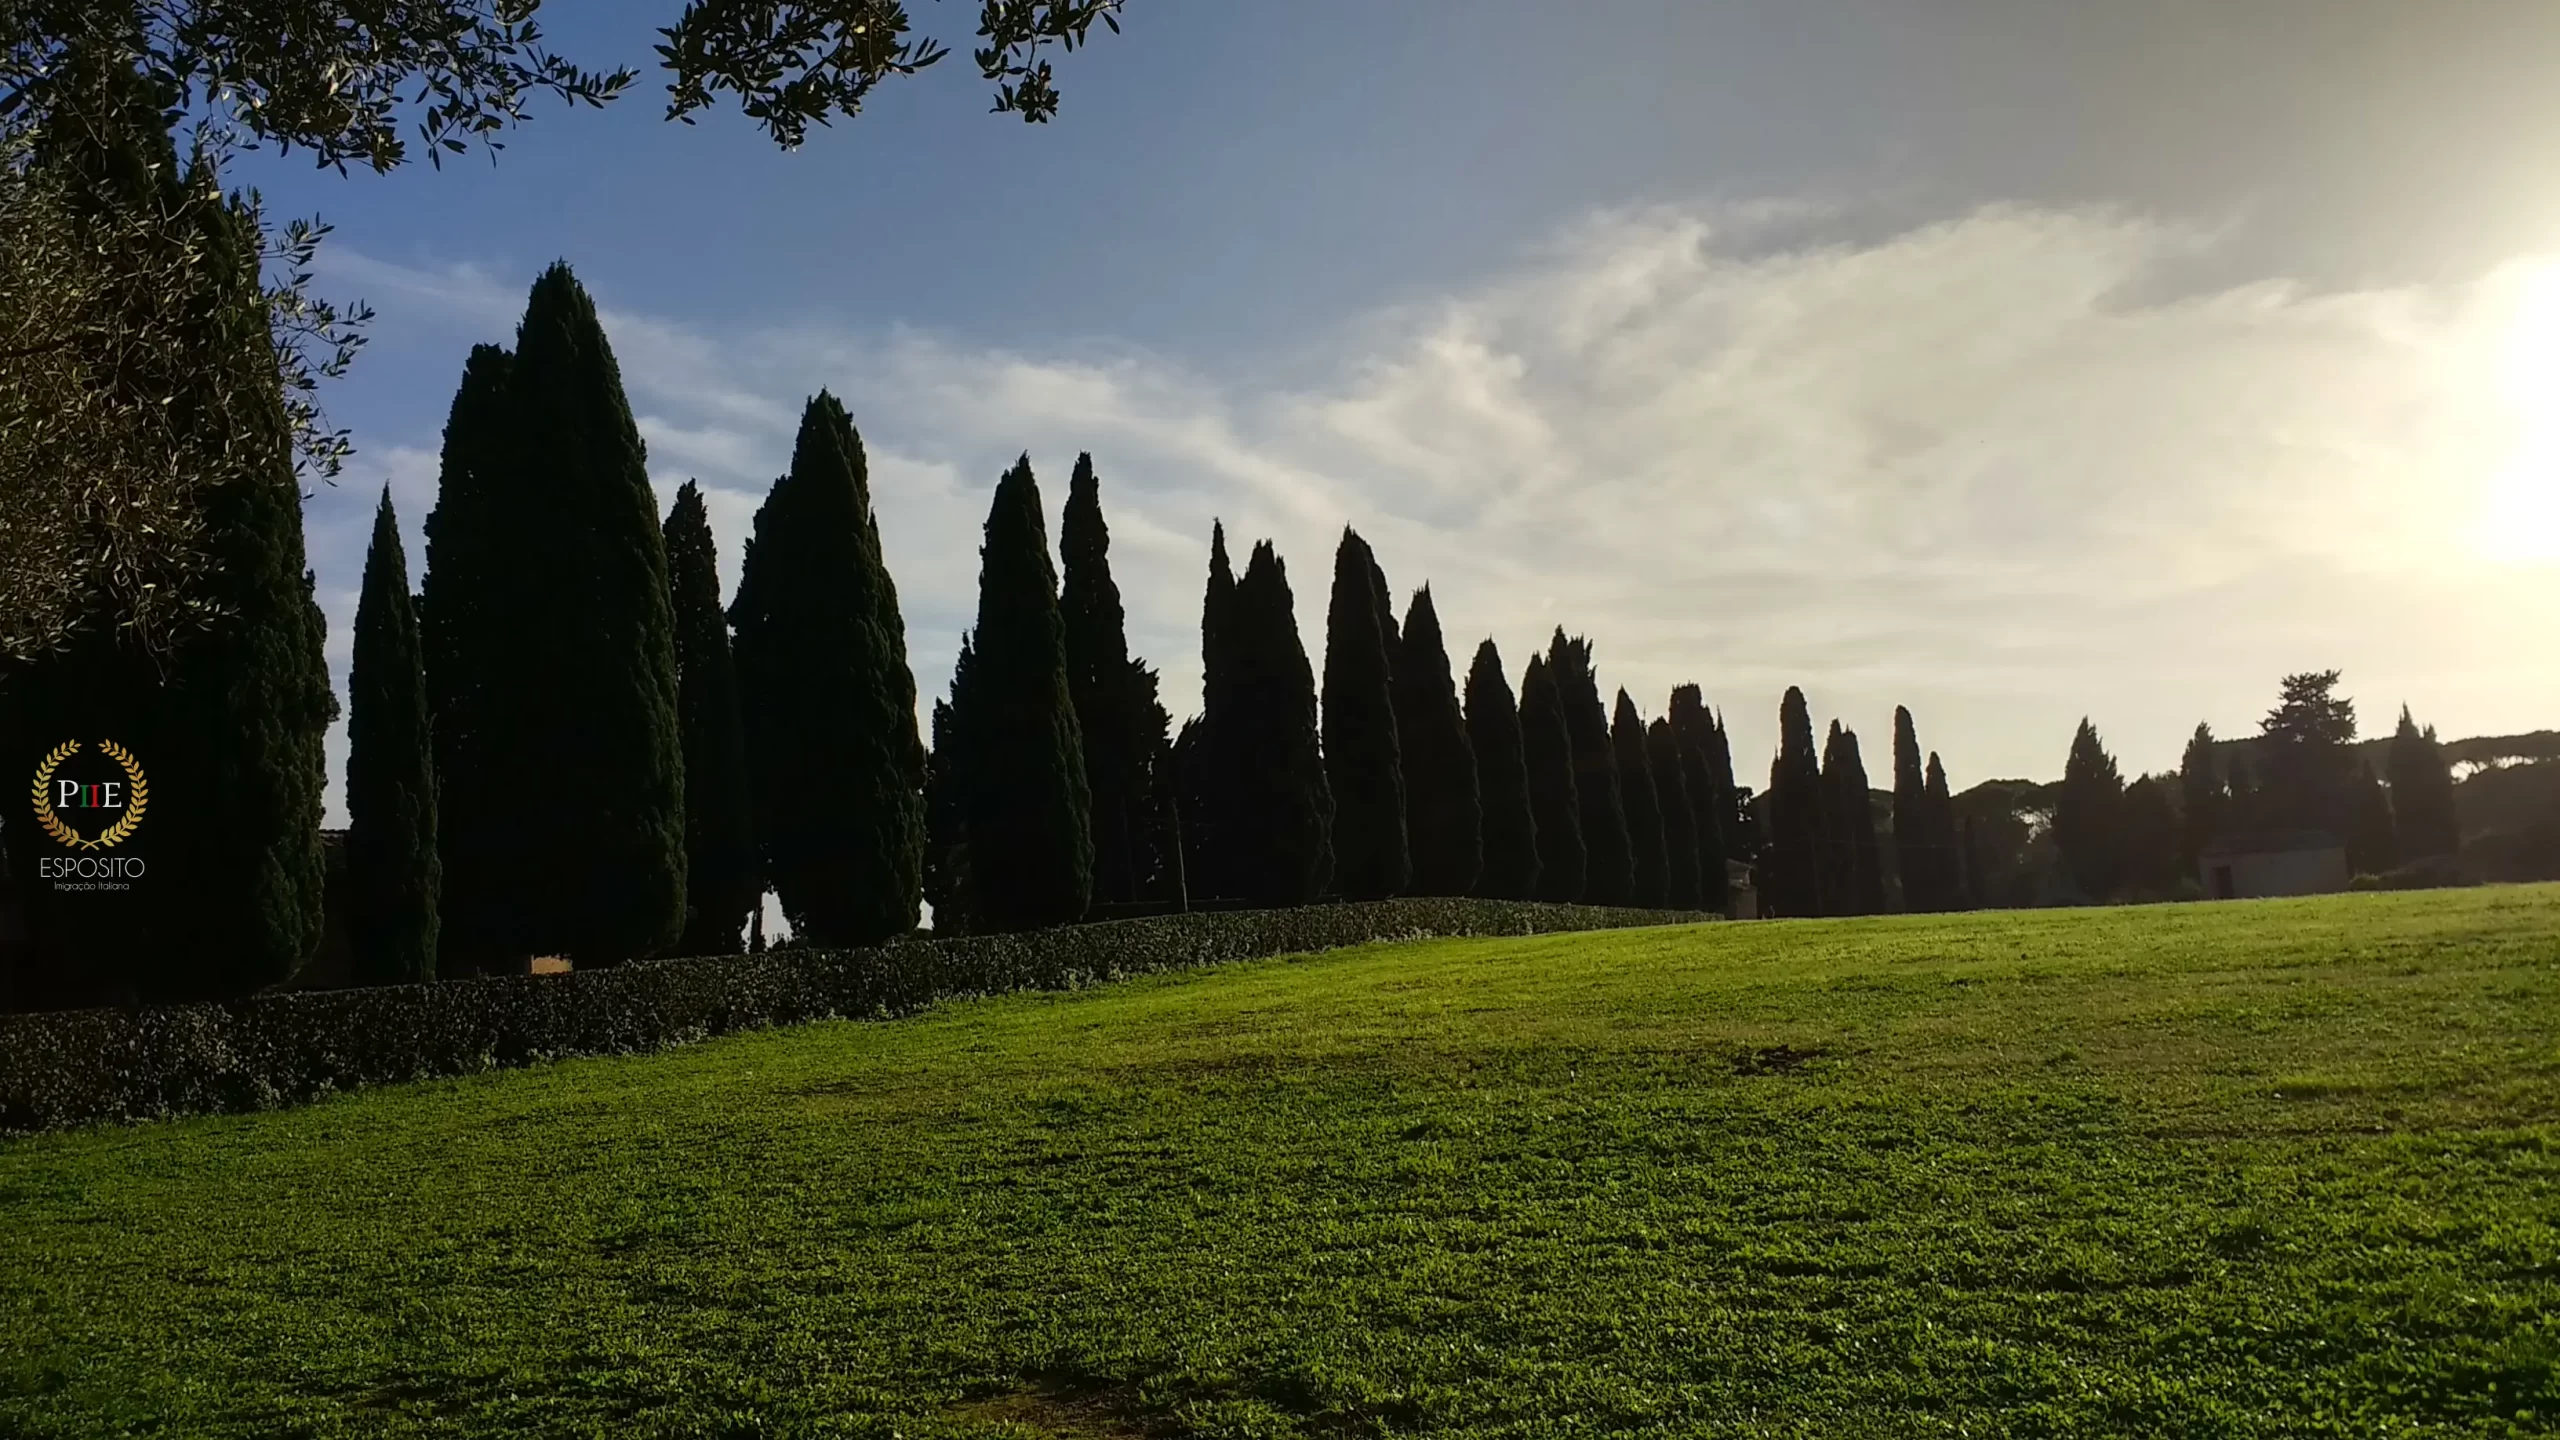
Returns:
(81, 1067)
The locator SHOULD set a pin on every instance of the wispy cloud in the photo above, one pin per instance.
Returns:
(1963, 466)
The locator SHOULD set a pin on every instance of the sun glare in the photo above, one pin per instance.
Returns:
(2520, 519)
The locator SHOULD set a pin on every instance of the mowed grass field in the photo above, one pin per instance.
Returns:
(2258, 1169)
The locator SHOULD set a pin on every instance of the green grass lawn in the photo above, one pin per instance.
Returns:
(2256, 1169)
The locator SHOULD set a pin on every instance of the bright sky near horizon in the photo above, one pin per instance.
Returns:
(2007, 360)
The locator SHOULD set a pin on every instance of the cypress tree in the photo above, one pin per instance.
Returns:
(576, 665)
(2087, 815)
(1794, 881)
(1944, 854)
(1214, 766)
(1024, 793)
(1189, 804)
(1859, 868)
(833, 755)
(2207, 803)
(1912, 858)
(946, 819)
(1114, 695)
(1610, 855)
(1282, 821)
(1502, 780)
(1443, 806)
(2424, 821)
(253, 701)
(724, 882)
(466, 606)
(392, 872)
(1706, 774)
(1682, 886)
(1554, 807)
(1648, 852)
(1363, 760)
(1740, 837)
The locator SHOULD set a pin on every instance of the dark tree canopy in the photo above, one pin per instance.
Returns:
(1363, 759)
(1682, 888)
(1643, 806)
(837, 766)
(1502, 781)
(1280, 826)
(2205, 805)
(2304, 764)
(724, 877)
(948, 772)
(467, 604)
(1555, 809)
(393, 875)
(2423, 818)
(1215, 762)
(2087, 815)
(1940, 844)
(2147, 840)
(589, 652)
(1609, 854)
(1024, 795)
(1857, 857)
(1443, 800)
(2372, 848)
(1913, 861)
(1706, 775)
(1115, 696)
(1793, 880)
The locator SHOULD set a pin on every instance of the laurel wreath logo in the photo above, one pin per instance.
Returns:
(138, 786)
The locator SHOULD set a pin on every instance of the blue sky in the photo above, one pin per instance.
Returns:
(2013, 361)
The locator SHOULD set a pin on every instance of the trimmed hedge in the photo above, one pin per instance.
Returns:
(80, 1067)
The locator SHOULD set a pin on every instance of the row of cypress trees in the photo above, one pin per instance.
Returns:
(568, 747)
(1825, 855)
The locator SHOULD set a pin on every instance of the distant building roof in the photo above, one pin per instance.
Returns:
(2274, 842)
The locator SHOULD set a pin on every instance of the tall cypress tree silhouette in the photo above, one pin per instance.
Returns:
(467, 603)
(821, 648)
(1502, 781)
(1859, 859)
(1443, 806)
(1116, 709)
(1706, 774)
(1554, 805)
(392, 873)
(1610, 855)
(1363, 758)
(1648, 859)
(1024, 796)
(1944, 851)
(2085, 818)
(724, 876)
(1793, 879)
(1213, 763)
(1682, 886)
(2424, 821)
(1282, 821)
(1911, 826)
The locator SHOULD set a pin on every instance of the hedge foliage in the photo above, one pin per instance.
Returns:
(80, 1067)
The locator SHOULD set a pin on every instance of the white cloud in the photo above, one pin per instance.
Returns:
(1959, 467)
